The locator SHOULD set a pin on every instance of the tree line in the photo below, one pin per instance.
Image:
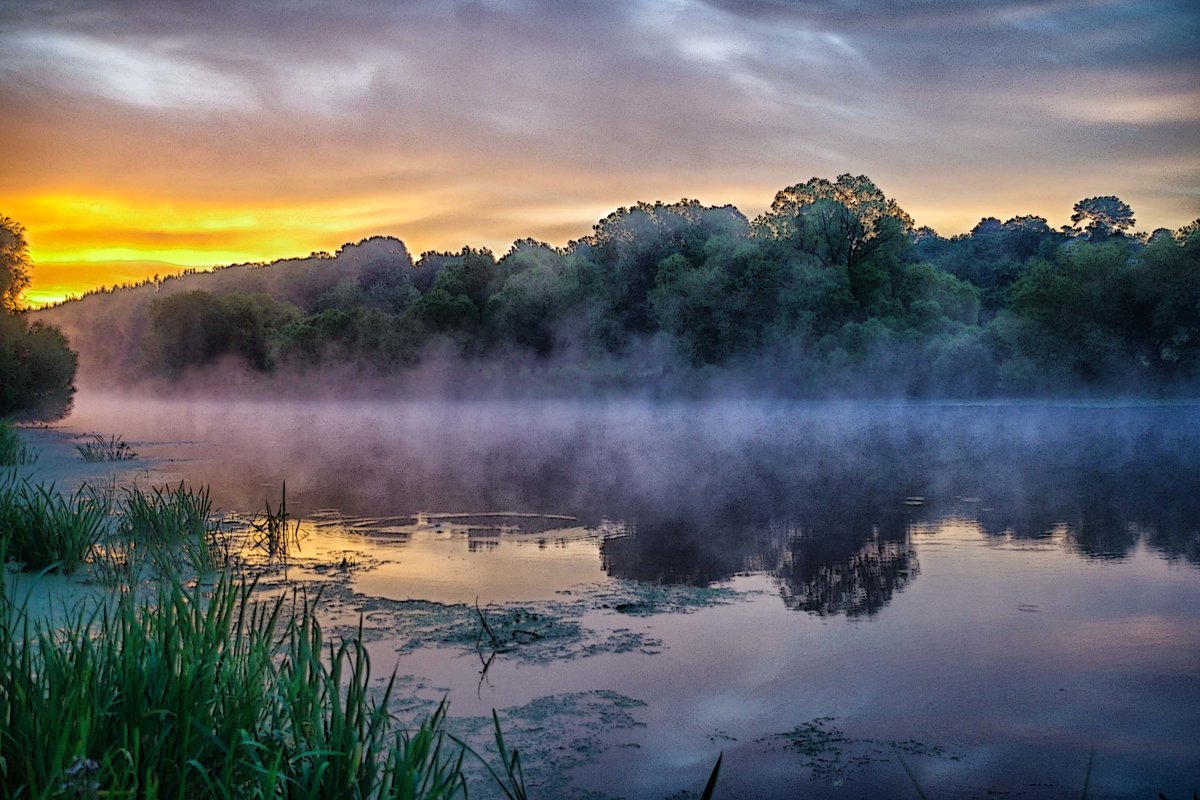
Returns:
(833, 290)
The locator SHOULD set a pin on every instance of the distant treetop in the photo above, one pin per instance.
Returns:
(1105, 216)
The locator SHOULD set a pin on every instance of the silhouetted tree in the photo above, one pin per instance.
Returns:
(1188, 232)
(187, 330)
(37, 365)
(14, 263)
(833, 289)
(1106, 216)
(856, 192)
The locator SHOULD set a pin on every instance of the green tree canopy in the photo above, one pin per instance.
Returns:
(832, 289)
(14, 263)
(620, 259)
(187, 329)
(846, 224)
(857, 193)
(529, 306)
(37, 365)
(1105, 216)
(1188, 232)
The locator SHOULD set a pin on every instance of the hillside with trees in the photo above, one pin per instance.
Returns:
(833, 291)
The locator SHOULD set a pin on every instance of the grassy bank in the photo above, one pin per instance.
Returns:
(206, 693)
(188, 688)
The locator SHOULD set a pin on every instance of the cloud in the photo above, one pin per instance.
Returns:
(466, 121)
(123, 72)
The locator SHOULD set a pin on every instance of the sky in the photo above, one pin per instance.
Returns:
(138, 136)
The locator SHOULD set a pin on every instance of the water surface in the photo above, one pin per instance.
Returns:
(991, 593)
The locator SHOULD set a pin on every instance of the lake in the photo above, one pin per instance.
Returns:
(998, 599)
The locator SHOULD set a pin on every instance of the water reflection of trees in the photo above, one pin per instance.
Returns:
(832, 527)
(860, 584)
(1109, 505)
(813, 494)
(820, 573)
(844, 549)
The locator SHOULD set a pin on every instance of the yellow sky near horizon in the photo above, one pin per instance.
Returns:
(78, 244)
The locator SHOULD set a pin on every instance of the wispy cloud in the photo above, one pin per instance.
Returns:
(148, 75)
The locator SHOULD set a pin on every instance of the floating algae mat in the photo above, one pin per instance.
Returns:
(585, 620)
(556, 736)
(830, 755)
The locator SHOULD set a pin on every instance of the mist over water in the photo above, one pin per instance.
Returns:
(721, 476)
(1013, 585)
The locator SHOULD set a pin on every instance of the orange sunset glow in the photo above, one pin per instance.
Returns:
(143, 138)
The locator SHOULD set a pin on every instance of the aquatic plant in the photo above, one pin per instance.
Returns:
(208, 694)
(13, 451)
(97, 448)
(165, 520)
(45, 530)
(510, 778)
(271, 533)
(160, 515)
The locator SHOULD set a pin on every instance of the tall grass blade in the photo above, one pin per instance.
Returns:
(167, 525)
(908, 771)
(711, 786)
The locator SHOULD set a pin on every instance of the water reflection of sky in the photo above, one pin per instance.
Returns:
(1015, 584)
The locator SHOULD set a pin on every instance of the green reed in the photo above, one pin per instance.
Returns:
(97, 448)
(13, 451)
(205, 693)
(273, 533)
(166, 522)
(46, 530)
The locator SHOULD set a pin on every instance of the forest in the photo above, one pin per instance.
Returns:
(833, 291)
